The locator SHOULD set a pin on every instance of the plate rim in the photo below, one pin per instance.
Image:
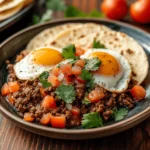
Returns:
(119, 126)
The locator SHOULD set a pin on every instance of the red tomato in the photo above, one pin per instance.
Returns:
(95, 96)
(75, 111)
(54, 80)
(27, 117)
(46, 119)
(138, 92)
(11, 99)
(140, 11)
(13, 86)
(80, 80)
(69, 79)
(5, 89)
(58, 121)
(76, 70)
(48, 102)
(42, 92)
(80, 63)
(79, 51)
(114, 9)
(66, 69)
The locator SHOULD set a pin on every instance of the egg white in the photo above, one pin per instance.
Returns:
(120, 81)
(26, 69)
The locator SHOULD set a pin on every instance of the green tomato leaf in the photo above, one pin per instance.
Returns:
(91, 120)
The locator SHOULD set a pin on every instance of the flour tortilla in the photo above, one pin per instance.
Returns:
(62, 39)
(6, 14)
(1, 1)
(126, 46)
(48, 34)
(10, 4)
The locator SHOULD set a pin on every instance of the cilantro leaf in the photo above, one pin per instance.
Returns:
(97, 44)
(55, 5)
(90, 84)
(86, 101)
(86, 75)
(95, 13)
(120, 113)
(43, 79)
(93, 64)
(66, 93)
(69, 51)
(91, 120)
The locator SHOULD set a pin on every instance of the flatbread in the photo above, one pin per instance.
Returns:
(67, 37)
(6, 14)
(9, 4)
(1, 1)
(48, 34)
(126, 46)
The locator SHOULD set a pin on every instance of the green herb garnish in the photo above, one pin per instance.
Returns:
(91, 120)
(93, 64)
(120, 113)
(86, 101)
(66, 93)
(43, 79)
(69, 52)
(97, 44)
(86, 75)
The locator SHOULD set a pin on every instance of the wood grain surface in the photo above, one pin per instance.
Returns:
(14, 138)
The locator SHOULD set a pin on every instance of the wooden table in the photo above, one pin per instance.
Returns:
(14, 138)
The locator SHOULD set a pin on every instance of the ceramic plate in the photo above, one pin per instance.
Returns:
(17, 42)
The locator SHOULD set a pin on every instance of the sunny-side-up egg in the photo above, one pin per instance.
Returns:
(36, 62)
(114, 73)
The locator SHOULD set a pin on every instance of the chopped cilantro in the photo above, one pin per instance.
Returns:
(86, 101)
(120, 113)
(43, 79)
(86, 75)
(69, 51)
(90, 84)
(91, 120)
(92, 64)
(97, 44)
(66, 93)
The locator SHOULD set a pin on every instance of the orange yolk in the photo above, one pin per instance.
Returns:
(47, 56)
(109, 65)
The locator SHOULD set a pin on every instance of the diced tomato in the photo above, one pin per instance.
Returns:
(95, 96)
(76, 70)
(54, 80)
(58, 121)
(69, 79)
(11, 99)
(80, 63)
(55, 71)
(42, 91)
(80, 80)
(28, 117)
(46, 119)
(5, 89)
(13, 86)
(48, 102)
(66, 69)
(138, 92)
(79, 51)
(75, 111)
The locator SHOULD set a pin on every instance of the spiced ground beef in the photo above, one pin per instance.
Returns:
(29, 99)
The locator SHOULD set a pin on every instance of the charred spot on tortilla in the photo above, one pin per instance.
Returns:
(129, 51)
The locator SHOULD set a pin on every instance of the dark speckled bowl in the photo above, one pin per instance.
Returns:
(11, 47)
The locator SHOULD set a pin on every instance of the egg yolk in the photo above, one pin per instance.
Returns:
(109, 65)
(47, 56)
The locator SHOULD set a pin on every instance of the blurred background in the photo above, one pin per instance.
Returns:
(136, 12)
